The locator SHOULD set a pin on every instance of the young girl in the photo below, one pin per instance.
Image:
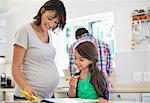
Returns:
(90, 82)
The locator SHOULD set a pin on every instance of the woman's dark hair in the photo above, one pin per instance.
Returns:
(56, 5)
(80, 31)
(98, 78)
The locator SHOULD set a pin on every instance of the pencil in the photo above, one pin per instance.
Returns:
(68, 78)
(27, 94)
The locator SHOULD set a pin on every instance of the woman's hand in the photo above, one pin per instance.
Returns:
(102, 100)
(31, 92)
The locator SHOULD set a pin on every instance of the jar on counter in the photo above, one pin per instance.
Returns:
(3, 80)
(2, 59)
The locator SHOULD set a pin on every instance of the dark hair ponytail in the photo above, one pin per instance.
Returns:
(98, 79)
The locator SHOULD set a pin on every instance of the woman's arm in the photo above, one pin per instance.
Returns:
(18, 57)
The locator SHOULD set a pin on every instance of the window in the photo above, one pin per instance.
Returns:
(101, 26)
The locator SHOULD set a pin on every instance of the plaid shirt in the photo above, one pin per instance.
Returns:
(104, 55)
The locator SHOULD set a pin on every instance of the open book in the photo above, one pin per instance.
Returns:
(69, 100)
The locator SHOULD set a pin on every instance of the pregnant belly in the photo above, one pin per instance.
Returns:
(45, 78)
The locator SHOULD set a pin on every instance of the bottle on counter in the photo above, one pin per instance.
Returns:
(3, 80)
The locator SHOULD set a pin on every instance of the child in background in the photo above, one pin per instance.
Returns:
(91, 83)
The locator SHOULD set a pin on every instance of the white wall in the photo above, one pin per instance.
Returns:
(121, 9)
(22, 11)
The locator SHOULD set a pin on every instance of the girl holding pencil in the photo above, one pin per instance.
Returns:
(90, 82)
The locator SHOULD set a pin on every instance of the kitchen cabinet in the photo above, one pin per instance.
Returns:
(117, 96)
(61, 92)
(146, 97)
(131, 92)
(119, 92)
(6, 94)
(126, 96)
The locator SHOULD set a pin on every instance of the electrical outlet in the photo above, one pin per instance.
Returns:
(137, 77)
(146, 76)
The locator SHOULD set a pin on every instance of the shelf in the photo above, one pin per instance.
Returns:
(141, 17)
(140, 29)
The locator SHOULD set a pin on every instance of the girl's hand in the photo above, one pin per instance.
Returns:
(31, 92)
(73, 81)
(102, 100)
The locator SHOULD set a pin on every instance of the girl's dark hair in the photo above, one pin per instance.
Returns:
(98, 78)
(56, 5)
(80, 31)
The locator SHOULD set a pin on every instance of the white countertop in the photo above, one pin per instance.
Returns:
(134, 87)
(126, 102)
(6, 89)
(137, 87)
(74, 100)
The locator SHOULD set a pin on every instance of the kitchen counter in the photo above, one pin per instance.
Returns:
(144, 88)
(4, 90)
(119, 92)
(72, 100)
(137, 87)
(116, 88)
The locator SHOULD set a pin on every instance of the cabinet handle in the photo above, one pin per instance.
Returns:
(119, 96)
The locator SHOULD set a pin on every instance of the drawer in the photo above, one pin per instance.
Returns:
(61, 95)
(126, 96)
(146, 97)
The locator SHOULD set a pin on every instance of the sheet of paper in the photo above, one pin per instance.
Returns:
(72, 100)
